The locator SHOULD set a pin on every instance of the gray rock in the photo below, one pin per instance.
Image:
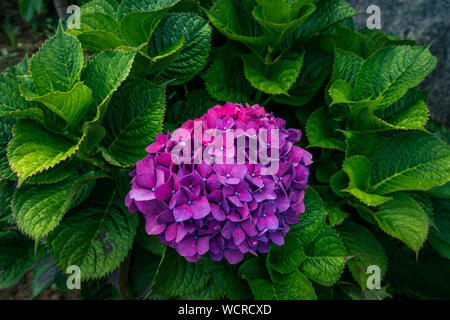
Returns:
(426, 22)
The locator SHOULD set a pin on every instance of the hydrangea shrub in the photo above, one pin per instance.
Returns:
(90, 122)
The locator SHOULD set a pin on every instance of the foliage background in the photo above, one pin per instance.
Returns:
(325, 264)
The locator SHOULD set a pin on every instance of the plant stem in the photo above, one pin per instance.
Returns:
(268, 59)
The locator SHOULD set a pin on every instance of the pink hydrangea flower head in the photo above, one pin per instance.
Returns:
(222, 201)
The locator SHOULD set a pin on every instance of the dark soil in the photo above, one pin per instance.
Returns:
(17, 38)
(28, 42)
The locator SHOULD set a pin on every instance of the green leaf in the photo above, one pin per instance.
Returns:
(358, 169)
(362, 143)
(253, 268)
(440, 238)
(166, 57)
(294, 286)
(95, 237)
(93, 134)
(410, 161)
(425, 202)
(16, 257)
(414, 117)
(144, 64)
(335, 215)
(136, 28)
(397, 68)
(233, 18)
(226, 279)
(106, 71)
(225, 79)
(106, 7)
(210, 292)
(278, 11)
(143, 268)
(262, 289)
(328, 258)
(410, 112)
(317, 67)
(44, 274)
(254, 271)
(325, 169)
(39, 209)
(98, 22)
(59, 172)
(338, 182)
(348, 39)
(365, 249)
(346, 67)
(320, 130)
(128, 6)
(82, 186)
(279, 18)
(441, 192)
(12, 103)
(130, 130)
(99, 28)
(286, 258)
(176, 276)
(404, 219)
(328, 12)
(312, 220)
(194, 53)
(57, 65)
(373, 40)
(440, 131)
(7, 189)
(425, 277)
(149, 243)
(34, 149)
(72, 106)
(342, 93)
(276, 78)
(99, 40)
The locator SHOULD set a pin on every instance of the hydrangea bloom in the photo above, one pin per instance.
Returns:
(226, 209)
